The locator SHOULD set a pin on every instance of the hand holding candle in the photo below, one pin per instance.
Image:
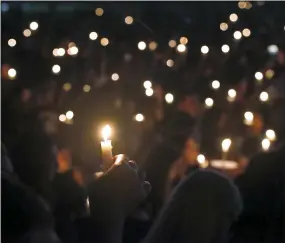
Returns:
(106, 148)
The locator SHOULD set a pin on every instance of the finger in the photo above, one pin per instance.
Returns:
(146, 188)
(133, 165)
(120, 159)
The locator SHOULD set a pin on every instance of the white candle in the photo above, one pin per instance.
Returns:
(226, 144)
(106, 148)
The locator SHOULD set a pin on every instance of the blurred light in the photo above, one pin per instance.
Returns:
(72, 51)
(12, 73)
(265, 144)
(149, 92)
(201, 159)
(170, 63)
(93, 36)
(231, 95)
(225, 48)
(209, 102)
(129, 20)
(27, 33)
(141, 45)
(56, 69)
(246, 32)
(237, 35)
(169, 98)
(183, 40)
(264, 96)
(258, 76)
(139, 117)
(215, 84)
(99, 11)
(34, 25)
(242, 5)
(86, 88)
(172, 43)
(66, 87)
(233, 17)
(115, 77)
(226, 144)
(272, 49)
(152, 45)
(54, 52)
(269, 74)
(181, 48)
(128, 57)
(147, 84)
(224, 26)
(69, 115)
(62, 118)
(12, 42)
(60, 52)
(71, 44)
(270, 134)
(248, 118)
(104, 41)
(204, 49)
(248, 5)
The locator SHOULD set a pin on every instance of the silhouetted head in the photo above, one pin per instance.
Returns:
(201, 210)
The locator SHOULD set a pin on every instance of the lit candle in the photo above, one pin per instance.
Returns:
(106, 148)
(226, 144)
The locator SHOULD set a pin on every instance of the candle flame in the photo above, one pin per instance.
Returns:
(226, 144)
(106, 132)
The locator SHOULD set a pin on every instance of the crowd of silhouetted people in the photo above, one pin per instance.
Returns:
(165, 197)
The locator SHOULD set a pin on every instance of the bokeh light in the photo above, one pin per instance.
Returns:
(60, 52)
(129, 20)
(183, 40)
(104, 41)
(269, 74)
(56, 69)
(258, 76)
(12, 42)
(201, 158)
(270, 134)
(225, 48)
(99, 11)
(149, 92)
(152, 45)
(265, 144)
(69, 115)
(248, 118)
(272, 49)
(209, 102)
(62, 118)
(147, 84)
(231, 95)
(170, 63)
(72, 51)
(237, 35)
(139, 117)
(172, 43)
(233, 17)
(181, 48)
(204, 49)
(215, 84)
(66, 87)
(93, 35)
(34, 25)
(224, 26)
(169, 98)
(12, 73)
(115, 77)
(141, 45)
(86, 88)
(264, 97)
(246, 32)
(27, 33)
